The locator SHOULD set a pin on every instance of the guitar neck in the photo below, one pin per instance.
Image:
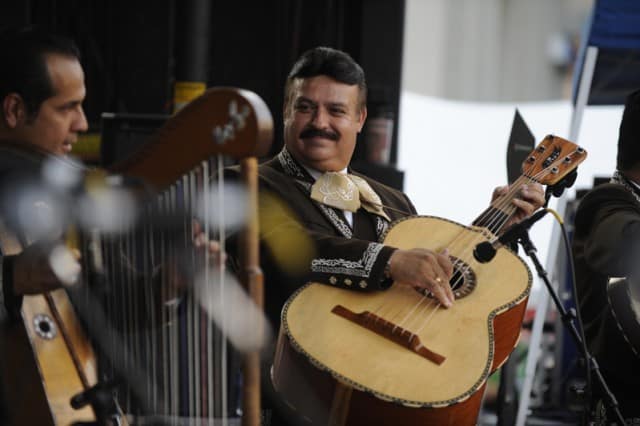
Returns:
(501, 209)
(552, 160)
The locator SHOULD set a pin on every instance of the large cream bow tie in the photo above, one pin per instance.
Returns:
(347, 192)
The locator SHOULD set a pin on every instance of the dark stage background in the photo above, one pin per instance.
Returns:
(134, 51)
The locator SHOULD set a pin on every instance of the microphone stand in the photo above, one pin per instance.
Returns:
(568, 319)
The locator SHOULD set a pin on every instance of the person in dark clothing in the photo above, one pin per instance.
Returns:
(42, 90)
(606, 245)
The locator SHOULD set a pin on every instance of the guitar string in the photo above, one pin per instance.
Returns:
(500, 221)
(378, 312)
(500, 205)
(497, 220)
(431, 301)
(459, 280)
(503, 200)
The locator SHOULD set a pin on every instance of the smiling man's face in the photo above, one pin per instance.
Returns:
(322, 118)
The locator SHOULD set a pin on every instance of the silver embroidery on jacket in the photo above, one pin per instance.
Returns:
(289, 165)
(336, 220)
(381, 227)
(620, 179)
(359, 268)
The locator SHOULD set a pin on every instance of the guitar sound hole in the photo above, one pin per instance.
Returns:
(462, 282)
(44, 326)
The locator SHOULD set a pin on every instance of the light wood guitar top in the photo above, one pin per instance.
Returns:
(463, 334)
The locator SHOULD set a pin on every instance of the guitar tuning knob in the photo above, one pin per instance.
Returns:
(567, 160)
(555, 170)
(531, 159)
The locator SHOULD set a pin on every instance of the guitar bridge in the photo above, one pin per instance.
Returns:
(389, 331)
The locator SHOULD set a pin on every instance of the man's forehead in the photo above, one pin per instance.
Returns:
(66, 76)
(325, 89)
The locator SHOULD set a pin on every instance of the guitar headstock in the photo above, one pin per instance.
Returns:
(552, 160)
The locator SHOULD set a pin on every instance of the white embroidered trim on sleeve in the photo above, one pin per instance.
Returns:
(359, 268)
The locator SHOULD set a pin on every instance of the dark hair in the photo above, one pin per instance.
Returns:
(24, 66)
(330, 62)
(629, 138)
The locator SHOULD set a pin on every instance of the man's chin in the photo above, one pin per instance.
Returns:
(66, 149)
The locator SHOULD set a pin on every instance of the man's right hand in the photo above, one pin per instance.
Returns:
(426, 269)
(32, 270)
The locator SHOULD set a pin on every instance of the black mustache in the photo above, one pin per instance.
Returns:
(312, 132)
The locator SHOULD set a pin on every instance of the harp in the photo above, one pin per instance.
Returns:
(177, 164)
(173, 360)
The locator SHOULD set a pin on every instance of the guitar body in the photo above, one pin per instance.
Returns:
(38, 372)
(318, 349)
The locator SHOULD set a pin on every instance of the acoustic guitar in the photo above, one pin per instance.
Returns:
(396, 357)
(46, 357)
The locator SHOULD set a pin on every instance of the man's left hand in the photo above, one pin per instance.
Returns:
(530, 199)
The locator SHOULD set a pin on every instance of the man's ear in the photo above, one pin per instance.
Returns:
(362, 116)
(14, 110)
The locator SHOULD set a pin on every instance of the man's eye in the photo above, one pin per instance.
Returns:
(303, 107)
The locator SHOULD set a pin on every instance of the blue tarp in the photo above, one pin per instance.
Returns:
(616, 24)
(615, 30)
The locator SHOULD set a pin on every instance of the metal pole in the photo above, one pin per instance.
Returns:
(554, 245)
(193, 18)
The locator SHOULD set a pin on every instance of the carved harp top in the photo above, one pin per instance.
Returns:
(223, 120)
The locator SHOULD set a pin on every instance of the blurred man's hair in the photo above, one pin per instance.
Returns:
(24, 68)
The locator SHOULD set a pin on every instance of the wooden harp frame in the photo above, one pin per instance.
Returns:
(222, 121)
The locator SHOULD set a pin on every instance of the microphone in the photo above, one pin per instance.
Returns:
(486, 250)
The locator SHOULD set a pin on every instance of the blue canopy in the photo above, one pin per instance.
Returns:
(615, 30)
(616, 24)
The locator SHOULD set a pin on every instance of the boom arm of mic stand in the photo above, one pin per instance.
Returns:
(568, 319)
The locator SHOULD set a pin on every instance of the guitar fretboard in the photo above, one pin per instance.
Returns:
(492, 218)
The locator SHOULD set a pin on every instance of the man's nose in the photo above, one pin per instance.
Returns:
(80, 123)
(320, 118)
